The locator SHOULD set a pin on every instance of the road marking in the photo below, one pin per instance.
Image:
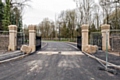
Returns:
(34, 66)
(72, 53)
(62, 53)
(52, 49)
(47, 52)
(68, 63)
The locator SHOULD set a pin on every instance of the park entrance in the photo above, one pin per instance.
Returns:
(103, 39)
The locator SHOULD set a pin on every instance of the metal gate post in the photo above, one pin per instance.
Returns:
(32, 37)
(105, 29)
(85, 31)
(12, 37)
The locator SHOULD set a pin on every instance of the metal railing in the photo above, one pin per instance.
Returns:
(115, 40)
(21, 39)
(96, 39)
(79, 42)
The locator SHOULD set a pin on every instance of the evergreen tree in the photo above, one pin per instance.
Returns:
(92, 28)
(16, 18)
(6, 15)
(1, 13)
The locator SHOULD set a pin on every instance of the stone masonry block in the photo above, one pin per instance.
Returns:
(26, 49)
(91, 49)
(32, 27)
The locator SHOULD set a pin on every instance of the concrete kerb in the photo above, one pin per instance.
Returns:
(104, 62)
(18, 57)
(14, 58)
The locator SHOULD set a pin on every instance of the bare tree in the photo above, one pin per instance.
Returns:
(108, 6)
(85, 9)
(47, 28)
(96, 15)
(68, 18)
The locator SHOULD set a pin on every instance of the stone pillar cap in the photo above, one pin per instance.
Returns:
(12, 27)
(105, 26)
(32, 27)
(85, 26)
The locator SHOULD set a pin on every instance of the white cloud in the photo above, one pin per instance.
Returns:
(45, 8)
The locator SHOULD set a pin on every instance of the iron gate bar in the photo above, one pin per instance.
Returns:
(79, 42)
(20, 39)
(38, 42)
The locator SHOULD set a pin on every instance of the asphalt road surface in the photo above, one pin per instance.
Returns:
(59, 46)
(57, 66)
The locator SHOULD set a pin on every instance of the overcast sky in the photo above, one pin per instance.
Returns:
(41, 9)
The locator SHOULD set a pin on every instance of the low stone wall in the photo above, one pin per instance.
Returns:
(4, 42)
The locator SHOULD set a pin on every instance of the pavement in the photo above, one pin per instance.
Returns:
(11, 55)
(55, 61)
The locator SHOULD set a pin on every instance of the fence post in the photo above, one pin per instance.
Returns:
(85, 31)
(32, 37)
(12, 37)
(105, 29)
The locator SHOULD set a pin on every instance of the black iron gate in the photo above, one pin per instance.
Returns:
(20, 39)
(96, 39)
(38, 42)
(79, 42)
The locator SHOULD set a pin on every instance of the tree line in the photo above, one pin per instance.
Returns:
(68, 23)
(11, 13)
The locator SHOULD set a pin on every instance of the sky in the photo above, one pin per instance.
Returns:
(41, 9)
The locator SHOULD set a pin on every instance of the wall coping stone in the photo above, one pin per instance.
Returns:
(85, 27)
(12, 27)
(105, 27)
(32, 27)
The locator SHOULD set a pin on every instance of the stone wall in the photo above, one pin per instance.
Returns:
(115, 42)
(4, 42)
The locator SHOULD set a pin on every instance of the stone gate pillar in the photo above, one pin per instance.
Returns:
(12, 37)
(32, 37)
(85, 31)
(105, 29)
